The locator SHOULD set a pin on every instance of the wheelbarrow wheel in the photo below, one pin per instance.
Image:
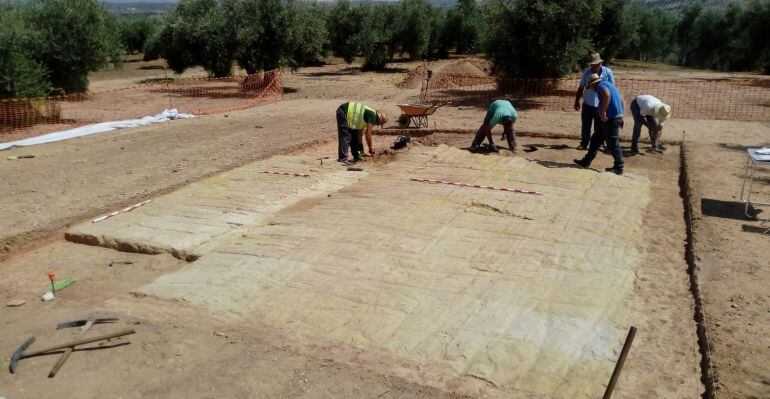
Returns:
(403, 121)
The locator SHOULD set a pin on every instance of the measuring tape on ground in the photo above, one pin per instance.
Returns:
(285, 173)
(451, 183)
(124, 210)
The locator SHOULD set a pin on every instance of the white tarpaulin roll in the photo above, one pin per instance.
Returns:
(165, 116)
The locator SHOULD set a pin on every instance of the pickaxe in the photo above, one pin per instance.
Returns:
(84, 325)
(20, 354)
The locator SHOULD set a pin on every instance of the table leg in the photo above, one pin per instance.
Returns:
(748, 194)
(744, 195)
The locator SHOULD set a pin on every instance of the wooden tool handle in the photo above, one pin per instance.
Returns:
(63, 358)
(619, 364)
(68, 351)
(79, 342)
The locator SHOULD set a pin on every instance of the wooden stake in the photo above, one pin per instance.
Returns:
(619, 364)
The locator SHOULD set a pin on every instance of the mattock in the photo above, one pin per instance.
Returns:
(21, 352)
(85, 325)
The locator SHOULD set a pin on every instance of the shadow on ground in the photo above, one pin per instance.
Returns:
(732, 147)
(726, 209)
(342, 72)
(535, 147)
(554, 164)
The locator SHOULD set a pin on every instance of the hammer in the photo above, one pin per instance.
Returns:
(19, 354)
(84, 324)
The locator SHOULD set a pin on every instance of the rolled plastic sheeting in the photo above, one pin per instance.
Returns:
(165, 116)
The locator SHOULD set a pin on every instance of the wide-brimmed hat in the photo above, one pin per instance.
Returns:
(594, 59)
(382, 118)
(594, 78)
(663, 111)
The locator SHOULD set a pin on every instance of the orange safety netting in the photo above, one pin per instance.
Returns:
(199, 96)
(727, 99)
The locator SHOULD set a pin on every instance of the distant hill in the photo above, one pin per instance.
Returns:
(143, 7)
(123, 2)
(678, 5)
(672, 5)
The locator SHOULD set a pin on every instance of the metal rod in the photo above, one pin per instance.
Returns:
(165, 73)
(619, 364)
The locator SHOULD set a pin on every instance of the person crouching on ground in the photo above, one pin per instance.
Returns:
(353, 120)
(589, 114)
(499, 112)
(649, 111)
(611, 116)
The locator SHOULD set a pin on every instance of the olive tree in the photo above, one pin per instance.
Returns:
(20, 74)
(198, 32)
(540, 38)
(71, 39)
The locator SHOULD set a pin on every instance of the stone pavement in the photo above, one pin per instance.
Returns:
(189, 220)
(528, 293)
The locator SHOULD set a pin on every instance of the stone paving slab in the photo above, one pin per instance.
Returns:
(528, 293)
(187, 221)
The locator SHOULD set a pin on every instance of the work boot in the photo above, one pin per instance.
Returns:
(654, 150)
(634, 151)
(582, 147)
(581, 163)
(617, 171)
(493, 148)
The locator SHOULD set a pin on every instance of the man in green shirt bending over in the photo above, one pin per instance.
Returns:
(499, 112)
(353, 118)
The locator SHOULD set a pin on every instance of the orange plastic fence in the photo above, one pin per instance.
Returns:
(728, 99)
(202, 96)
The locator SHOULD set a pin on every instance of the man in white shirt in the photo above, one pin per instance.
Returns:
(649, 111)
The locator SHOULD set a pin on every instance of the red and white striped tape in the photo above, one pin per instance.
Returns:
(451, 183)
(286, 173)
(124, 210)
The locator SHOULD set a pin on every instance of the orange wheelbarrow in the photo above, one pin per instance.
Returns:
(416, 114)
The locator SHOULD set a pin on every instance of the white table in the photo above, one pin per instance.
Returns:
(752, 161)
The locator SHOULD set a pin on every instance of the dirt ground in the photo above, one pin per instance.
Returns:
(180, 351)
(135, 71)
(179, 345)
(731, 255)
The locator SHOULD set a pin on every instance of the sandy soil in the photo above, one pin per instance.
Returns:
(179, 345)
(134, 71)
(176, 352)
(654, 70)
(182, 352)
(731, 254)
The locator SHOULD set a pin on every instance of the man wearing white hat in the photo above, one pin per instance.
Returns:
(590, 111)
(651, 112)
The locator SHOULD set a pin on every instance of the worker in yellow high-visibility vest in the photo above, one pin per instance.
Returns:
(353, 120)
